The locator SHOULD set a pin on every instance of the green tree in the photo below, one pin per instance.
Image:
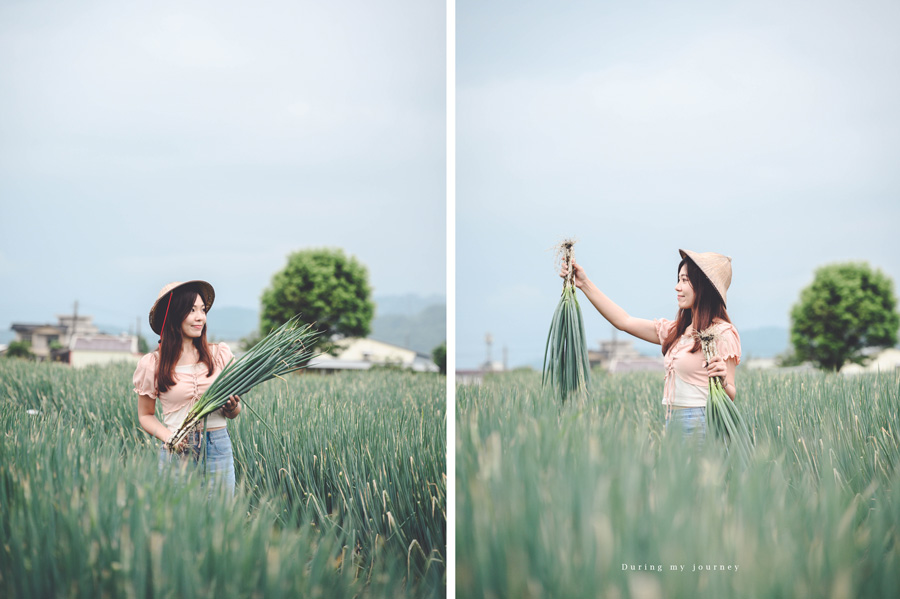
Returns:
(439, 355)
(847, 308)
(325, 287)
(19, 349)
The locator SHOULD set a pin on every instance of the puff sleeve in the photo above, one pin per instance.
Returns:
(145, 376)
(663, 328)
(728, 345)
(223, 356)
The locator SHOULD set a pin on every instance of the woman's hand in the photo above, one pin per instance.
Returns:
(578, 275)
(232, 407)
(179, 447)
(717, 367)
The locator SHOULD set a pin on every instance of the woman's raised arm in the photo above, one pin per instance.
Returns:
(618, 317)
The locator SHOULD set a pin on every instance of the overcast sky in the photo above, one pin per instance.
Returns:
(178, 140)
(767, 131)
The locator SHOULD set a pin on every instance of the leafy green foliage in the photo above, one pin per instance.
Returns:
(324, 287)
(439, 355)
(19, 349)
(847, 308)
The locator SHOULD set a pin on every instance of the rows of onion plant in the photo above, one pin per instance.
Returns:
(595, 500)
(344, 498)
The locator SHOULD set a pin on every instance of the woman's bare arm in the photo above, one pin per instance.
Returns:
(149, 421)
(617, 316)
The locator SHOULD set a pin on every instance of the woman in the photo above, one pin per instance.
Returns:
(178, 372)
(703, 280)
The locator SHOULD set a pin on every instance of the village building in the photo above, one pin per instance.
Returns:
(887, 360)
(359, 353)
(614, 356)
(85, 350)
(77, 341)
(47, 338)
(619, 356)
(43, 338)
(466, 377)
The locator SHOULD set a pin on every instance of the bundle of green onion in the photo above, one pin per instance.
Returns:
(722, 415)
(286, 349)
(566, 364)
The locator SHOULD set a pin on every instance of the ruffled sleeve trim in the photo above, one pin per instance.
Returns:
(728, 345)
(663, 328)
(222, 355)
(145, 376)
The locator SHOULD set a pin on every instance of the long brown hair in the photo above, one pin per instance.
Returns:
(170, 342)
(708, 307)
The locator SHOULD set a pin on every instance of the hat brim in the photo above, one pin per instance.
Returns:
(158, 310)
(687, 255)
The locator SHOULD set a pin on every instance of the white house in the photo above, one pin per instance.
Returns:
(102, 349)
(887, 360)
(357, 353)
(45, 339)
(620, 356)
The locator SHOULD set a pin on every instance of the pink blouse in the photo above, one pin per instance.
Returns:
(688, 367)
(188, 386)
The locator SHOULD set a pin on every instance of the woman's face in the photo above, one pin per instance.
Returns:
(685, 290)
(192, 326)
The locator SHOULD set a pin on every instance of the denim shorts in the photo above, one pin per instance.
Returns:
(689, 424)
(212, 460)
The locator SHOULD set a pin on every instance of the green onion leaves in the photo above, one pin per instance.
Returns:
(566, 364)
(286, 349)
(722, 415)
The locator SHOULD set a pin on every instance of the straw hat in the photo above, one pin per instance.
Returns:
(716, 267)
(157, 316)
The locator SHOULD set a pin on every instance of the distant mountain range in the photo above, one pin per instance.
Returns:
(411, 321)
(421, 331)
(230, 324)
(765, 342)
(405, 305)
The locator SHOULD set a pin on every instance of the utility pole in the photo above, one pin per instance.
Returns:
(74, 323)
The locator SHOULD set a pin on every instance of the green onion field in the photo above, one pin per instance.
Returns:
(592, 500)
(346, 499)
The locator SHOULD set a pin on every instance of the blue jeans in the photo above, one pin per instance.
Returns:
(213, 460)
(689, 424)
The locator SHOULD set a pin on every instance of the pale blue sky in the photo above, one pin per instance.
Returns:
(767, 131)
(173, 140)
